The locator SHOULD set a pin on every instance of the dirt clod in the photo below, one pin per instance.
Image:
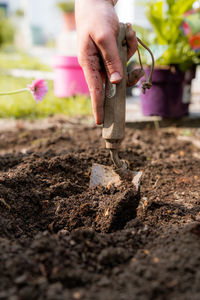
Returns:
(60, 239)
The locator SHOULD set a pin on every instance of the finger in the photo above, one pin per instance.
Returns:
(91, 67)
(95, 85)
(107, 45)
(134, 76)
(131, 41)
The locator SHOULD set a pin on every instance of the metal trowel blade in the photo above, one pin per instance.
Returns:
(105, 176)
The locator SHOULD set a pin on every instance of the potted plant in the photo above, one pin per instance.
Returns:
(175, 60)
(191, 28)
(67, 7)
(69, 78)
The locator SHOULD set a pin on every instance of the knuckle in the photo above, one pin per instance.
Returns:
(89, 62)
(102, 38)
(96, 91)
(110, 62)
(134, 33)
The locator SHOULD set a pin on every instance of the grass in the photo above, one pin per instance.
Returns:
(24, 106)
(17, 60)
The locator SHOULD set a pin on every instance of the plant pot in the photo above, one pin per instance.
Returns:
(170, 94)
(69, 78)
(69, 21)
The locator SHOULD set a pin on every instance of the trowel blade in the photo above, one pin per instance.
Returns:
(106, 176)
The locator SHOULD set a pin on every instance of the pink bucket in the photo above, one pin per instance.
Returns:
(69, 78)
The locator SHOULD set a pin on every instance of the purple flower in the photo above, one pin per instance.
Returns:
(39, 89)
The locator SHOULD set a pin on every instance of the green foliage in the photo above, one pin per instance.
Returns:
(66, 6)
(166, 17)
(19, 13)
(24, 106)
(148, 37)
(16, 60)
(6, 30)
(193, 21)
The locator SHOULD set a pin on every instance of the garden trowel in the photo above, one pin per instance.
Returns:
(114, 123)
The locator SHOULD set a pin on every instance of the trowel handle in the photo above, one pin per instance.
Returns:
(115, 100)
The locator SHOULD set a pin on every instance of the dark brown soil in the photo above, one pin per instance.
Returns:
(61, 240)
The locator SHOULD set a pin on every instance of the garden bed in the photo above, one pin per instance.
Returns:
(53, 242)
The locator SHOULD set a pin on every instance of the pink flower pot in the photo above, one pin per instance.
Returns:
(69, 78)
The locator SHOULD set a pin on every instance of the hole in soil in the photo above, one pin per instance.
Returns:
(102, 209)
(155, 254)
(52, 192)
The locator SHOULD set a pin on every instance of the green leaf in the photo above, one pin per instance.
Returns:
(166, 17)
(193, 21)
(170, 4)
(181, 6)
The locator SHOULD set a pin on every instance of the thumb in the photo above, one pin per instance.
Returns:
(134, 76)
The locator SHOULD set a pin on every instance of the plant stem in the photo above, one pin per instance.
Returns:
(15, 92)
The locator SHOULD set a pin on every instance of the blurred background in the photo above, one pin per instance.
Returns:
(38, 40)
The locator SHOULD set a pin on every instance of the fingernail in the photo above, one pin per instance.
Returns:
(98, 120)
(115, 77)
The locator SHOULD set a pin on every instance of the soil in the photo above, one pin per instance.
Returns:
(59, 239)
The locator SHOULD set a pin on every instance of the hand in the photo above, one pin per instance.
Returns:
(97, 27)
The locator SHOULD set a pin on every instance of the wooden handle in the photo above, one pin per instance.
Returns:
(115, 105)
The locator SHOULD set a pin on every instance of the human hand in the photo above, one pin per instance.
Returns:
(97, 27)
